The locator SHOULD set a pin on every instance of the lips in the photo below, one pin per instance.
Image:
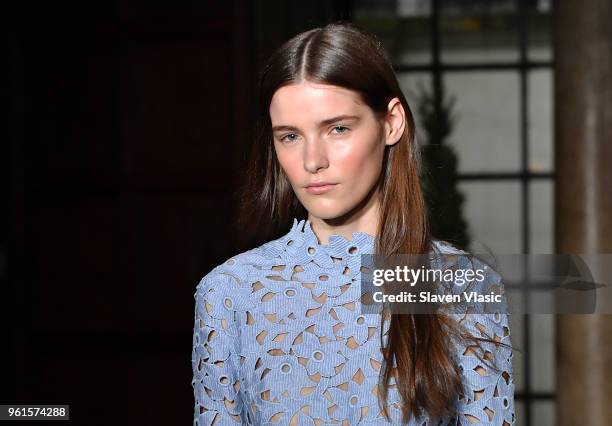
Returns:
(320, 187)
(319, 184)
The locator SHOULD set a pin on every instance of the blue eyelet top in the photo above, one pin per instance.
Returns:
(278, 339)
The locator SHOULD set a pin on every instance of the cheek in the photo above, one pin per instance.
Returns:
(290, 164)
(364, 160)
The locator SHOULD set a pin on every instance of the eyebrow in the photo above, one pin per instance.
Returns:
(321, 123)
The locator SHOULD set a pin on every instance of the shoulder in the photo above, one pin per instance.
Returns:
(443, 246)
(223, 291)
(480, 311)
(225, 295)
(236, 272)
(471, 273)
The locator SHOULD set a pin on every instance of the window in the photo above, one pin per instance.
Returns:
(495, 57)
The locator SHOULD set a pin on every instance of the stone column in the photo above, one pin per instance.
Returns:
(583, 198)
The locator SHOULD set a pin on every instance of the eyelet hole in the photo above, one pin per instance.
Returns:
(360, 320)
(224, 380)
(290, 292)
(323, 277)
(311, 250)
(318, 355)
(228, 302)
(354, 399)
(352, 250)
(285, 368)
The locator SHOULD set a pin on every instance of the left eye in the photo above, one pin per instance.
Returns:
(340, 129)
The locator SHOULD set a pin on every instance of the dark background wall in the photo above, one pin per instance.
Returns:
(129, 123)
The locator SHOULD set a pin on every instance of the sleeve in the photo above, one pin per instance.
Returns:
(486, 366)
(214, 356)
(487, 371)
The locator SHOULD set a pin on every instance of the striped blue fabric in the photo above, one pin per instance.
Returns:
(278, 339)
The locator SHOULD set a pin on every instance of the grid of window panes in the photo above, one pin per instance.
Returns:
(495, 58)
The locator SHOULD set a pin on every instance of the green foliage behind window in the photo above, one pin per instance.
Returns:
(439, 177)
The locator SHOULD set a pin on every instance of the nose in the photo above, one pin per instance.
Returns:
(315, 155)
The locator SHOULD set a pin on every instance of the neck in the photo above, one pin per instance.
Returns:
(363, 218)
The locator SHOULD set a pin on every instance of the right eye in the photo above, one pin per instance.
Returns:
(291, 137)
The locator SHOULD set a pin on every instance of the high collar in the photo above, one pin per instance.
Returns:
(338, 245)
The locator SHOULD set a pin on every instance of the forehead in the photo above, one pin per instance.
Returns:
(313, 101)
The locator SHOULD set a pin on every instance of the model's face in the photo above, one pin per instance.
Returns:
(326, 134)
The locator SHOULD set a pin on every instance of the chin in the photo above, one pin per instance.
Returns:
(326, 212)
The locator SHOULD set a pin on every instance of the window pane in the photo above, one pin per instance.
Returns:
(479, 31)
(541, 301)
(544, 413)
(413, 44)
(404, 27)
(541, 216)
(540, 29)
(486, 128)
(519, 412)
(492, 210)
(542, 353)
(540, 84)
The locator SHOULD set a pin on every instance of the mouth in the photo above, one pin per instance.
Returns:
(320, 188)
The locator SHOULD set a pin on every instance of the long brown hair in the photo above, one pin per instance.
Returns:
(345, 55)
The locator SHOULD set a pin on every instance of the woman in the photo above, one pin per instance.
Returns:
(279, 337)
